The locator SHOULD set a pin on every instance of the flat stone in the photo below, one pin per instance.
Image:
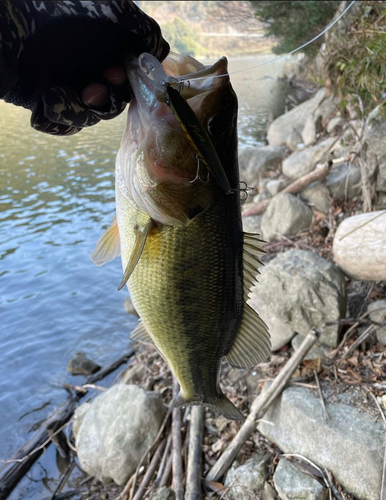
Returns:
(350, 443)
(281, 128)
(305, 291)
(247, 480)
(359, 246)
(344, 181)
(115, 430)
(286, 215)
(281, 333)
(377, 310)
(293, 484)
(317, 195)
(301, 162)
(253, 162)
(80, 364)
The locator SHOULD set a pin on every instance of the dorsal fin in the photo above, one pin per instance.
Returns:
(140, 240)
(252, 252)
(141, 333)
(252, 344)
(108, 246)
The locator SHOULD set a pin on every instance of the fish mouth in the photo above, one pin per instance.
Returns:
(166, 95)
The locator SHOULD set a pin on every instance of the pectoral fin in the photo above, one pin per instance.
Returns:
(108, 246)
(252, 344)
(141, 333)
(140, 240)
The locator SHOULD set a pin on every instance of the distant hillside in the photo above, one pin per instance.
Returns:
(209, 28)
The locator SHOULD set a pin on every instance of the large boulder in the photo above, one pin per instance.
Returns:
(247, 480)
(253, 162)
(317, 195)
(344, 181)
(293, 484)
(305, 291)
(286, 215)
(350, 443)
(115, 429)
(281, 128)
(359, 246)
(301, 162)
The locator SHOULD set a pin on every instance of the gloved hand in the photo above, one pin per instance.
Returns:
(63, 60)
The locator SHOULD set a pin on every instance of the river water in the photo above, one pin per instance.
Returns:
(56, 198)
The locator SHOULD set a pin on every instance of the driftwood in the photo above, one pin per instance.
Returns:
(20, 463)
(259, 407)
(193, 479)
(320, 172)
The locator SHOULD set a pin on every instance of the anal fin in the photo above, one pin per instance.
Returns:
(140, 240)
(252, 344)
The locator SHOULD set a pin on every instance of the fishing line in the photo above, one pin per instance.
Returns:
(181, 80)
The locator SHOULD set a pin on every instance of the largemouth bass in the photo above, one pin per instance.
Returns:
(188, 263)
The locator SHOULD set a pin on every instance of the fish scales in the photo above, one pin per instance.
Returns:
(186, 261)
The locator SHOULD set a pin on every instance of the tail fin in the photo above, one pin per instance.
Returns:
(221, 404)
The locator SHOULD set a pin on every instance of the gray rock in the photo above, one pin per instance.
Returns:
(252, 224)
(301, 162)
(281, 333)
(268, 492)
(336, 124)
(317, 351)
(129, 306)
(353, 131)
(247, 480)
(286, 215)
(133, 374)
(80, 364)
(274, 186)
(309, 131)
(359, 246)
(375, 137)
(344, 181)
(115, 430)
(294, 140)
(327, 107)
(377, 312)
(253, 162)
(350, 443)
(317, 195)
(293, 484)
(164, 493)
(305, 291)
(281, 128)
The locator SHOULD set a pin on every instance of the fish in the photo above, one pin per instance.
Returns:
(188, 265)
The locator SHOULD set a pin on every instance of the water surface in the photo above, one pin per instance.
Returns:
(56, 198)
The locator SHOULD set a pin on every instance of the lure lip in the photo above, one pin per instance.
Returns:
(167, 89)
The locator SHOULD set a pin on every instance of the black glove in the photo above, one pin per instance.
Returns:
(51, 50)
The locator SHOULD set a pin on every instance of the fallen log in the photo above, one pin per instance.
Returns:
(320, 172)
(20, 463)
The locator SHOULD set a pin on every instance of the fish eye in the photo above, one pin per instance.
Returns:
(216, 126)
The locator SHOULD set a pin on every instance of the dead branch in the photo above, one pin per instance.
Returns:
(150, 470)
(320, 172)
(194, 472)
(163, 463)
(176, 447)
(166, 475)
(325, 414)
(260, 406)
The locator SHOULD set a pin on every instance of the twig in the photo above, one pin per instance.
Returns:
(260, 406)
(163, 463)
(65, 477)
(150, 470)
(193, 479)
(320, 172)
(168, 469)
(369, 331)
(325, 414)
(176, 447)
(335, 492)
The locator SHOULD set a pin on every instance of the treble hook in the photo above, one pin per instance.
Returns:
(198, 178)
(240, 189)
